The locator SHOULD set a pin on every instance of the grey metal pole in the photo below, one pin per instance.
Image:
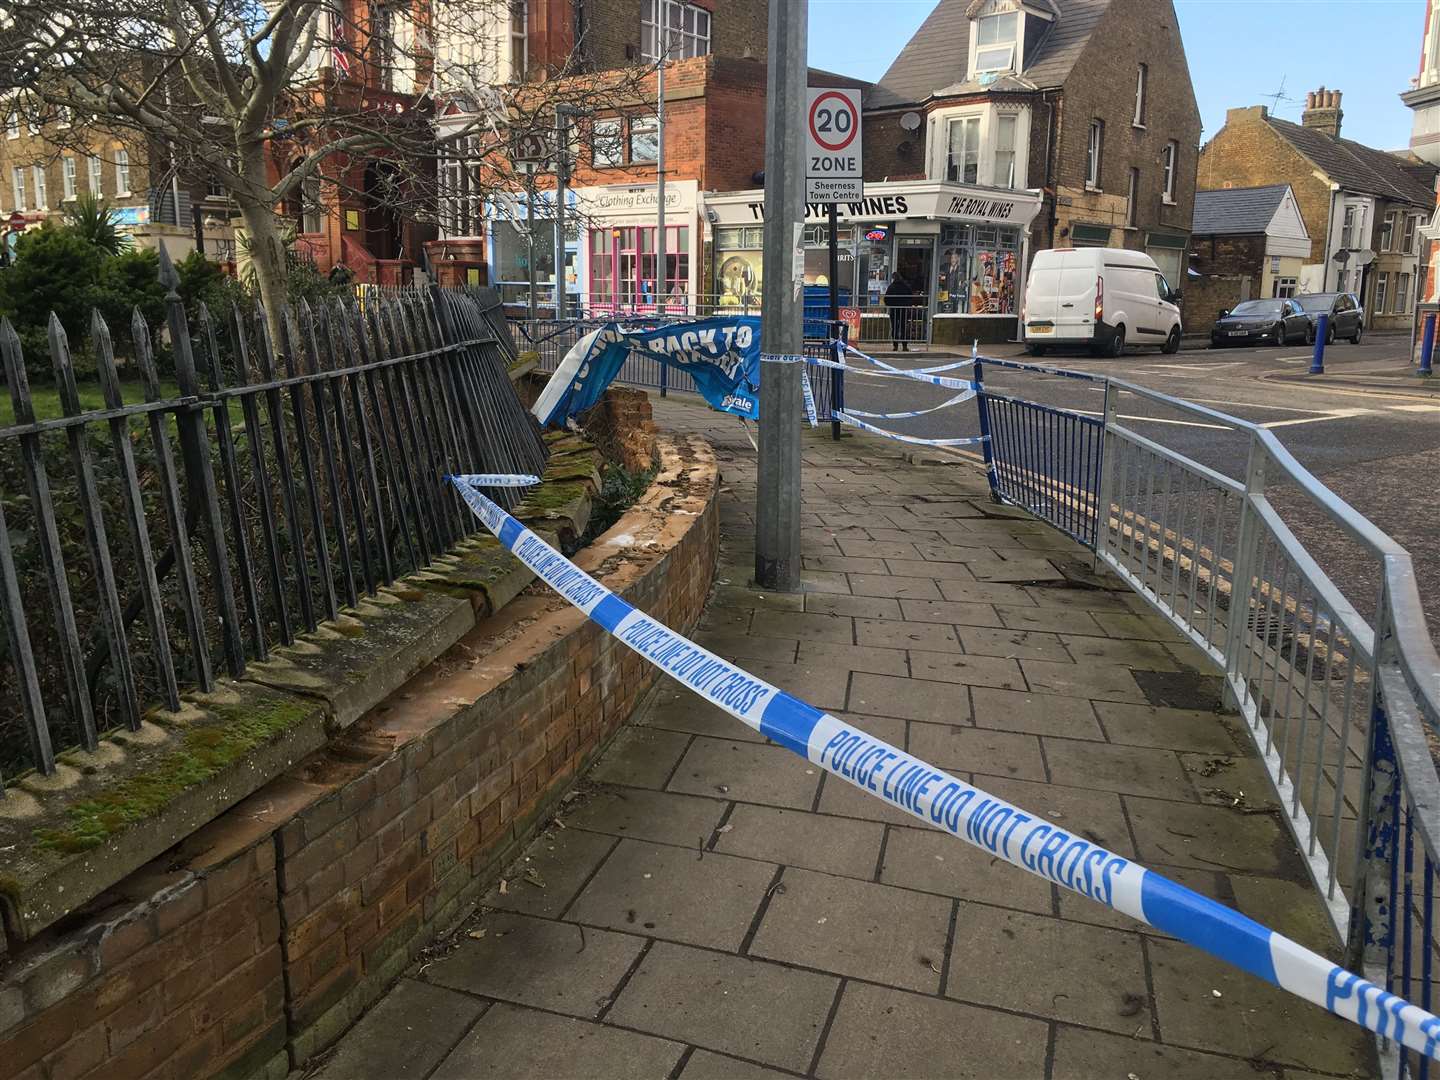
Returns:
(661, 255)
(777, 504)
(530, 248)
(562, 171)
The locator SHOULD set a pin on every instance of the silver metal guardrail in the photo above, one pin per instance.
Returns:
(1339, 707)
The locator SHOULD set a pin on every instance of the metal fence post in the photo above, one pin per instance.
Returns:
(1322, 331)
(664, 379)
(1371, 939)
(987, 448)
(1244, 565)
(837, 379)
(1105, 489)
(1427, 344)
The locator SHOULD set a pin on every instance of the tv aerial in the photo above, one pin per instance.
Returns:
(1278, 96)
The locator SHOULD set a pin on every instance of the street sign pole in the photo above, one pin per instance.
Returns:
(661, 254)
(777, 507)
(834, 322)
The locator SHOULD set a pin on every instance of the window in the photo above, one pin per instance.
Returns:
(1005, 151)
(68, 177)
(1132, 200)
(17, 186)
(1172, 155)
(1408, 245)
(1402, 295)
(995, 42)
(963, 162)
(1284, 287)
(1382, 289)
(1093, 151)
(12, 125)
(96, 169)
(1386, 240)
(644, 140)
(1347, 229)
(1140, 80)
(683, 28)
(122, 172)
(37, 173)
(607, 145)
(623, 265)
(519, 40)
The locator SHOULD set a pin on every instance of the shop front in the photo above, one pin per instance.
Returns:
(924, 261)
(619, 247)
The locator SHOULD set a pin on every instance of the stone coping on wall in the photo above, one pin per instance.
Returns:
(67, 838)
(256, 942)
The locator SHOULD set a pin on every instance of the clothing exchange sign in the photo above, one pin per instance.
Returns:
(931, 201)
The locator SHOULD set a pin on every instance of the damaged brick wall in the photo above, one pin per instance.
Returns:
(262, 938)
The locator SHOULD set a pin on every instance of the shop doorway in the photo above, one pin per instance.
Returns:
(915, 262)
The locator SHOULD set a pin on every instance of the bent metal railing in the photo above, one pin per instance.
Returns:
(1338, 707)
(310, 473)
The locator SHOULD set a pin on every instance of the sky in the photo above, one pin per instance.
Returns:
(1241, 52)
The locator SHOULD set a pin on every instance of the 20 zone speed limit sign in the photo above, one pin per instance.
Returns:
(833, 162)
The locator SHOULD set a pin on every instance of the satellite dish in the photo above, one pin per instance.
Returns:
(1364, 258)
(910, 121)
(1341, 257)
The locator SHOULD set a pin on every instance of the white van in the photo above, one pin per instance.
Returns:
(1105, 298)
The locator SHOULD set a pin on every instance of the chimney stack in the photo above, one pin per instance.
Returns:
(1322, 111)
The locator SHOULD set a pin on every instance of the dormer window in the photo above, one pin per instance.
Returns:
(995, 38)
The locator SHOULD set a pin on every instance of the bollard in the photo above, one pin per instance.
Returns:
(1427, 345)
(1322, 330)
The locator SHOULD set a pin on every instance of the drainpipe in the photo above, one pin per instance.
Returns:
(1329, 239)
(1049, 100)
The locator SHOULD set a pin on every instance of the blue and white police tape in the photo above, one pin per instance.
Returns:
(905, 371)
(936, 380)
(967, 812)
(848, 418)
(809, 395)
(494, 480)
(963, 396)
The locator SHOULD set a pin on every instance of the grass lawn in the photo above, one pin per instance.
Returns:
(46, 399)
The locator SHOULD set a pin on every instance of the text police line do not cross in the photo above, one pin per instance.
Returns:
(834, 169)
(966, 812)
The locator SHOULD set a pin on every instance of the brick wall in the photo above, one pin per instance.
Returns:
(891, 152)
(1226, 263)
(738, 28)
(270, 931)
(1102, 86)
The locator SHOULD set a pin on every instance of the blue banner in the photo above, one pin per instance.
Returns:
(722, 356)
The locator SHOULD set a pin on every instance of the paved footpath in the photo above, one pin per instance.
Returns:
(713, 906)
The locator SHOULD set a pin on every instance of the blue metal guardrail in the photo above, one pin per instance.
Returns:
(1337, 705)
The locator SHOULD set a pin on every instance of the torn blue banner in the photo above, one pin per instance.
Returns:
(721, 355)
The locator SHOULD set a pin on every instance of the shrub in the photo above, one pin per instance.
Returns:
(56, 270)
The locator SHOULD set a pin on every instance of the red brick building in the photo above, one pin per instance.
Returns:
(714, 139)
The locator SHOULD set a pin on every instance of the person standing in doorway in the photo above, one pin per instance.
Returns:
(899, 299)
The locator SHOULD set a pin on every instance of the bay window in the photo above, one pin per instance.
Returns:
(1408, 244)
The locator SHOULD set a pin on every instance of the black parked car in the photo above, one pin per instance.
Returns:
(1260, 322)
(1347, 318)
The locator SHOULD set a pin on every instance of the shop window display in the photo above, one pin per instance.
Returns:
(976, 271)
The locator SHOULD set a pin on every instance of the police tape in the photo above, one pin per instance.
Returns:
(809, 395)
(948, 803)
(849, 418)
(917, 371)
(898, 373)
(960, 398)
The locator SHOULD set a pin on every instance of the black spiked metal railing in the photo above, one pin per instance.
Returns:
(148, 547)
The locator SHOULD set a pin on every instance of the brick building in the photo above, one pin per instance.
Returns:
(1245, 244)
(1362, 207)
(1040, 123)
(1424, 98)
(47, 166)
(714, 138)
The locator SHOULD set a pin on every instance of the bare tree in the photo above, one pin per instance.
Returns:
(264, 97)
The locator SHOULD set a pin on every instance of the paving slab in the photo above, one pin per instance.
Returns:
(551, 965)
(640, 814)
(849, 927)
(933, 861)
(1047, 967)
(1013, 644)
(1210, 837)
(746, 772)
(1175, 729)
(675, 893)
(562, 859)
(957, 747)
(1149, 655)
(993, 671)
(769, 1013)
(704, 1065)
(909, 699)
(677, 708)
(895, 634)
(903, 588)
(883, 1032)
(1054, 620)
(511, 1043)
(1037, 714)
(953, 612)
(1132, 770)
(832, 845)
(840, 658)
(405, 1036)
(641, 757)
(985, 592)
(864, 607)
(936, 571)
(1098, 682)
(1083, 1054)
